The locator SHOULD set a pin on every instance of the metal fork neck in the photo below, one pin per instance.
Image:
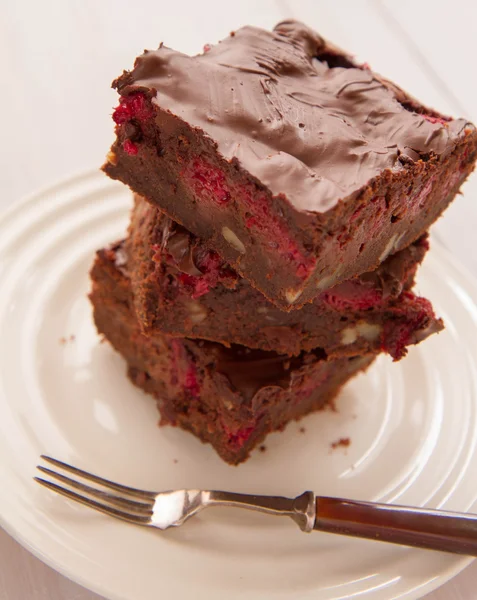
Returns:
(301, 509)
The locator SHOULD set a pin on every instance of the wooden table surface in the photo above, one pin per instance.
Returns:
(57, 58)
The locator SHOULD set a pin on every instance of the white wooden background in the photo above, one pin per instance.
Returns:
(57, 58)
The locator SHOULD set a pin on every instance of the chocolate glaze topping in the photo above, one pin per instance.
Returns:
(251, 370)
(296, 112)
(176, 241)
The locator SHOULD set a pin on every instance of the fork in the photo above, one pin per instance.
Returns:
(420, 528)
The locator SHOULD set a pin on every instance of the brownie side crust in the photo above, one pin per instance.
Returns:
(228, 397)
(183, 289)
(301, 169)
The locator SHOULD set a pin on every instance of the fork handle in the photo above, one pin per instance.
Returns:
(421, 528)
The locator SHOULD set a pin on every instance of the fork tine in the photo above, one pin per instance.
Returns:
(141, 508)
(117, 487)
(108, 510)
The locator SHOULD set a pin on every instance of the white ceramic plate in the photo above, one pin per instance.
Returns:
(412, 425)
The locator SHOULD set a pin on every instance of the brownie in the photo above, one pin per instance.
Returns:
(184, 289)
(300, 167)
(228, 397)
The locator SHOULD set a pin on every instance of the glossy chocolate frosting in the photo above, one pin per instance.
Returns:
(177, 242)
(295, 112)
(251, 370)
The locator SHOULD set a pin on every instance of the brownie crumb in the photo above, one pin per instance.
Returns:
(343, 442)
(262, 448)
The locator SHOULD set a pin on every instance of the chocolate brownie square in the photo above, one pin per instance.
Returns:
(300, 167)
(184, 289)
(229, 397)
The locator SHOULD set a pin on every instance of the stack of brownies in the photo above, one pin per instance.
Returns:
(282, 198)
